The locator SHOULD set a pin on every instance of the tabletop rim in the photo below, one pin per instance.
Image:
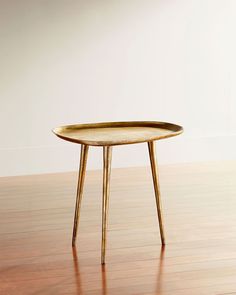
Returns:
(176, 130)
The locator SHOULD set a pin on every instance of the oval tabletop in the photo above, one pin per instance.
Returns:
(117, 133)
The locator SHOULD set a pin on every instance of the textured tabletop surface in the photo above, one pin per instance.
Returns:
(117, 133)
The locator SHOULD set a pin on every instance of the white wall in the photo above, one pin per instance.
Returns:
(68, 61)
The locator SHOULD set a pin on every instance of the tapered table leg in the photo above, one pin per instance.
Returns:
(152, 154)
(107, 153)
(82, 169)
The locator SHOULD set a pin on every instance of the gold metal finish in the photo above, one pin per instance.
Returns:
(152, 154)
(117, 133)
(82, 169)
(108, 134)
(107, 154)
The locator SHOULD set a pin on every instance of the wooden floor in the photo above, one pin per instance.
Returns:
(199, 203)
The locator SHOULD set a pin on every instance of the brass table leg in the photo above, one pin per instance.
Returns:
(107, 152)
(152, 154)
(82, 168)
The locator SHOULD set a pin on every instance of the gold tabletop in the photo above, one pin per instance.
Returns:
(117, 133)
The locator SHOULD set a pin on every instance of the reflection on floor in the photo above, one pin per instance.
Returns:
(199, 204)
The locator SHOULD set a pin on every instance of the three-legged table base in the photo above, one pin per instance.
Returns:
(107, 154)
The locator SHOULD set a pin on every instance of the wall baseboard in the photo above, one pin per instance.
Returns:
(65, 157)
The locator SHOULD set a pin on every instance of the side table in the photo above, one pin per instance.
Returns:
(111, 134)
